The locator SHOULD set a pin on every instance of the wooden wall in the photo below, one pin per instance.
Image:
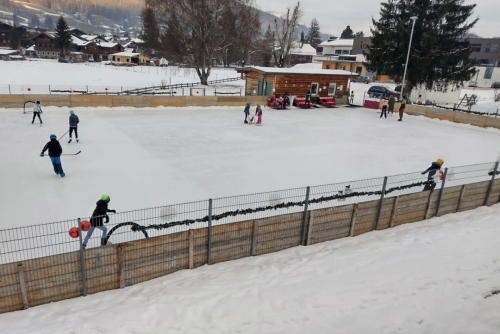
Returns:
(54, 278)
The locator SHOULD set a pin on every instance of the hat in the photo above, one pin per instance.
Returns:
(53, 136)
(440, 161)
(38, 102)
(72, 112)
(105, 198)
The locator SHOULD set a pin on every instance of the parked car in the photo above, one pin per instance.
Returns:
(495, 85)
(382, 92)
(62, 60)
(361, 78)
(472, 84)
(398, 88)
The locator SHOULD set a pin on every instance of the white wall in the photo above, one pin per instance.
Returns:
(481, 81)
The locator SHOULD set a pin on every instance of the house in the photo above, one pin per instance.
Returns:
(9, 54)
(335, 47)
(130, 57)
(101, 51)
(351, 63)
(301, 53)
(12, 36)
(45, 46)
(296, 81)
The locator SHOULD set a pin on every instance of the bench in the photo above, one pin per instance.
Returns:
(328, 101)
(301, 102)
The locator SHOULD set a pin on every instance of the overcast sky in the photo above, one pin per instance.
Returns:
(334, 16)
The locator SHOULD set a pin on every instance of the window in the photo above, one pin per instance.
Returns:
(328, 66)
(338, 52)
(488, 72)
(476, 47)
(331, 89)
(314, 88)
(491, 48)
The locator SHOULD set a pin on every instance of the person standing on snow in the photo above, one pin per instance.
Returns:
(392, 102)
(55, 151)
(351, 97)
(73, 125)
(37, 110)
(402, 109)
(247, 112)
(97, 220)
(383, 107)
(258, 112)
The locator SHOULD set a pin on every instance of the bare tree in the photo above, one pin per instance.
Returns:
(284, 32)
(194, 29)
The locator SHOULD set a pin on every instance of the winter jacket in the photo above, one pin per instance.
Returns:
(100, 213)
(258, 111)
(392, 102)
(432, 170)
(37, 108)
(247, 109)
(55, 149)
(73, 121)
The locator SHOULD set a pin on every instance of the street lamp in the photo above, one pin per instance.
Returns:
(413, 18)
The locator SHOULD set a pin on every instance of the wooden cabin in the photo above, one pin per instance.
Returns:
(295, 81)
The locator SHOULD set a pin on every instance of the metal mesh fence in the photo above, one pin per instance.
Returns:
(24, 243)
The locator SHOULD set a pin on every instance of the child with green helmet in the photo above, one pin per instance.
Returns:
(97, 220)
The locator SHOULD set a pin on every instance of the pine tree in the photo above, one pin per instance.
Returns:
(439, 54)
(267, 44)
(313, 36)
(62, 37)
(150, 32)
(347, 33)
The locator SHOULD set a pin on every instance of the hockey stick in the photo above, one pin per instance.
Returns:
(66, 154)
(64, 135)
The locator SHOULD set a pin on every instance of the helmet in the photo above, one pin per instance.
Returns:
(37, 102)
(105, 198)
(72, 112)
(53, 136)
(440, 161)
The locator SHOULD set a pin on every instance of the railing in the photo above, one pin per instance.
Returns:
(23, 243)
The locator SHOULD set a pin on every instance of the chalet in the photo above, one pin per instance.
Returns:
(296, 81)
(45, 46)
(130, 57)
(11, 36)
(302, 53)
(101, 51)
(76, 32)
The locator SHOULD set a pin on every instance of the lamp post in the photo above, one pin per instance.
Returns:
(413, 18)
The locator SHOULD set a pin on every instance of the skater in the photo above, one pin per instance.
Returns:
(258, 112)
(37, 110)
(351, 97)
(383, 108)
(391, 103)
(286, 100)
(308, 99)
(55, 151)
(247, 112)
(435, 166)
(96, 221)
(402, 108)
(73, 125)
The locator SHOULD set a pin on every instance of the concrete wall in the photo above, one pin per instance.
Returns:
(54, 278)
(110, 101)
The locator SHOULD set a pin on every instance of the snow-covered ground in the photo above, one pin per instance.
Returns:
(428, 277)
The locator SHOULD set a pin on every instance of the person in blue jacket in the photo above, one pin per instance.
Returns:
(55, 151)
(435, 166)
(247, 112)
(73, 125)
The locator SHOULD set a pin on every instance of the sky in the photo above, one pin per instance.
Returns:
(333, 17)
(435, 276)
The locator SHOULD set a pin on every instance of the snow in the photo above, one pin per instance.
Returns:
(435, 276)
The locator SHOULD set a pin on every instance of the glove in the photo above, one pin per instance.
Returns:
(423, 173)
(107, 219)
(114, 211)
(41, 154)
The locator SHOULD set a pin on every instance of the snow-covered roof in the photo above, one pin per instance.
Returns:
(77, 41)
(89, 37)
(107, 44)
(7, 52)
(126, 54)
(339, 42)
(128, 50)
(305, 50)
(31, 48)
(295, 70)
(316, 66)
(137, 40)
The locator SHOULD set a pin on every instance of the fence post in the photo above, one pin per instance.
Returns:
(304, 221)
(22, 282)
(394, 210)
(255, 235)
(438, 204)
(82, 259)
(87, 89)
(50, 91)
(191, 249)
(496, 114)
(381, 202)
(488, 193)
(209, 236)
(11, 93)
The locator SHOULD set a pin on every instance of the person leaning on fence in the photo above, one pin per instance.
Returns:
(97, 220)
(435, 166)
(37, 110)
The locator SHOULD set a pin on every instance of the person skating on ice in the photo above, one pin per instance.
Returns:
(247, 112)
(55, 151)
(98, 219)
(37, 110)
(73, 125)
(258, 112)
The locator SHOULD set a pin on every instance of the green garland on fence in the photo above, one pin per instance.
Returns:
(139, 228)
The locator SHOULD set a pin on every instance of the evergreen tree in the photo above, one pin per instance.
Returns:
(313, 36)
(439, 53)
(267, 44)
(150, 32)
(347, 33)
(62, 37)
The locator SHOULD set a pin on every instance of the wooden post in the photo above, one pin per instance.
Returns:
(121, 266)
(393, 214)
(490, 186)
(255, 235)
(309, 228)
(381, 203)
(191, 249)
(428, 209)
(461, 197)
(304, 219)
(353, 219)
(441, 193)
(22, 282)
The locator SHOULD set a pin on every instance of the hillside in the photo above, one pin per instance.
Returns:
(91, 16)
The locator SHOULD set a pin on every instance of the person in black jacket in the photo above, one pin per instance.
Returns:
(97, 220)
(55, 151)
(432, 170)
